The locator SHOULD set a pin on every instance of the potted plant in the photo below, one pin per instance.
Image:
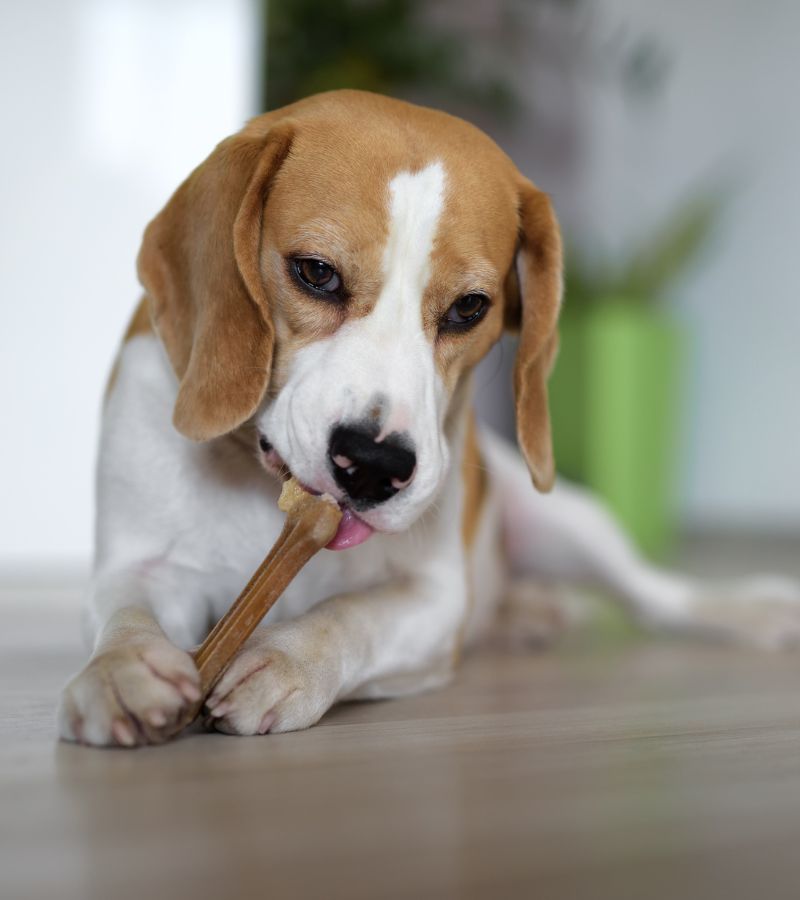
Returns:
(616, 392)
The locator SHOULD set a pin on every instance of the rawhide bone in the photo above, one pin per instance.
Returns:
(311, 523)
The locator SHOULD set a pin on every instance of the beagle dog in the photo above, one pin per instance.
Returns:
(317, 294)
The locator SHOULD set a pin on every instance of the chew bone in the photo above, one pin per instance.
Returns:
(311, 522)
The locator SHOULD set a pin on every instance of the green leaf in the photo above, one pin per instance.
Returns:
(647, 274)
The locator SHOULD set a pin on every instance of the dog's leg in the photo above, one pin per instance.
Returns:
(137, 678)
(397, 639)
(136, 681)
(569, 536)
(179, 527)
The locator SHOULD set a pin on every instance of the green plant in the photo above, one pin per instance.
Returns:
(645, 276)
(377, 45)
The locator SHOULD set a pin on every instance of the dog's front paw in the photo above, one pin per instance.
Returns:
(126, 695)
(267, 690)
(762, 611)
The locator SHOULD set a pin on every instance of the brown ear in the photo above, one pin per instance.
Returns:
(199, 264)
(539, 263)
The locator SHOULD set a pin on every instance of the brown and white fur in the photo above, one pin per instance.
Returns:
(414, 209)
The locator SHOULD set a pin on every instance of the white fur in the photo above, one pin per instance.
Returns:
(181, 526)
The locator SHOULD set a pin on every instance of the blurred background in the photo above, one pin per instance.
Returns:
(665, 133)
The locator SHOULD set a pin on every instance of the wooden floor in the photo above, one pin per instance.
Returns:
(614, 769)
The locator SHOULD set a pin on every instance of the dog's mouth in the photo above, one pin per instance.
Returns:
(352, 530)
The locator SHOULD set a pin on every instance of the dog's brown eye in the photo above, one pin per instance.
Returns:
(466, 310)
(317, 275)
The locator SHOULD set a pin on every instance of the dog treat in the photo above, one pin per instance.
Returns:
(311, 522)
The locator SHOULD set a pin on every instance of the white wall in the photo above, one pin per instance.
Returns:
(730, 106)
(107, 106)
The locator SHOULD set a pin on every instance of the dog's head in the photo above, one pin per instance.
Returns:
(333, 273)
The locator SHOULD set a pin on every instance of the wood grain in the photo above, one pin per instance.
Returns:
(642, 769)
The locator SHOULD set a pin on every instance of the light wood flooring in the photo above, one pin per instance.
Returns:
(616, 768)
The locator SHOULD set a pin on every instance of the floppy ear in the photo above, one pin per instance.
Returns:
(199, 264)
(539, 263)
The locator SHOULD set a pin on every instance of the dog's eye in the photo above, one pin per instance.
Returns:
(465, 311)
(318, 275)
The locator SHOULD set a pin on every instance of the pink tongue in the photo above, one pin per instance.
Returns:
(352, 532)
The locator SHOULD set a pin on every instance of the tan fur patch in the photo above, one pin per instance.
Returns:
(476, 485)
(473, 471)
(140, 323)
(330, 199)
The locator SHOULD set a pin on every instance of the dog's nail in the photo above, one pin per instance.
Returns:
(343, 462)
(122, 733)
(156, 718)
(219, 711)
(267, 722)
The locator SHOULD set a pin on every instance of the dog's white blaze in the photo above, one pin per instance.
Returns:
(383, 357)
(416, 200)
(415, 208)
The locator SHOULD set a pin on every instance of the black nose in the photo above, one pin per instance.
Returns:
(370, 471)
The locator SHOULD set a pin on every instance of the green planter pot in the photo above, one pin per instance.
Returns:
(615, 400)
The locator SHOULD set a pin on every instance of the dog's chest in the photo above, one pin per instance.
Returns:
(210, 510)
(236, 522)
(329, 573)
(226, 524)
